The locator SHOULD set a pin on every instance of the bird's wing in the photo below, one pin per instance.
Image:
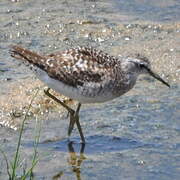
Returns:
(73, 67)
(78, 66)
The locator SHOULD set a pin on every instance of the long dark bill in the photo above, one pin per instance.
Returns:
(156, 76)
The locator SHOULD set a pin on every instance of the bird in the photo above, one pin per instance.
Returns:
(85, 74)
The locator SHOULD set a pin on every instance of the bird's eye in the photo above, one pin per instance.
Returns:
(141, 65)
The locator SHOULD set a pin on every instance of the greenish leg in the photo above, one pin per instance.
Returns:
(74, 115)
(75, 118)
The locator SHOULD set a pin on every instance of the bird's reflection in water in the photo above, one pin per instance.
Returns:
(74, 160)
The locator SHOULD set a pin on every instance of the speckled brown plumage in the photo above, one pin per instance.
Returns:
(73, 66)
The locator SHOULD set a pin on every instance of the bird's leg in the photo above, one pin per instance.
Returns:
(80, 130)
(71, 111)
(73, 119)
(74, 115)
(78, 123)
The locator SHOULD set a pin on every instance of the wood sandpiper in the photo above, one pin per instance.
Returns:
(85, 74)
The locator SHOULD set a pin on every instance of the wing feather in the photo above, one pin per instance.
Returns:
(78, 66)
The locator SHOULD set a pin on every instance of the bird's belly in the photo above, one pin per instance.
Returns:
(81, 94)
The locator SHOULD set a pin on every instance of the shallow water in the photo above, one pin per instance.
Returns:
(135, 136)
(162, 11)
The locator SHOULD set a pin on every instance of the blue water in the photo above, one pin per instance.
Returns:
(151, 10)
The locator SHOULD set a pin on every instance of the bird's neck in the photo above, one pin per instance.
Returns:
(126, 78)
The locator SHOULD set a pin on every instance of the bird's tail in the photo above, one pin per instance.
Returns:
(26, 55)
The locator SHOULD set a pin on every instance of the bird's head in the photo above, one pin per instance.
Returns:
(141, 65)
